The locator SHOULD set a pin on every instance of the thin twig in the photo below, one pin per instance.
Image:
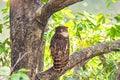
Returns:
(18, 60)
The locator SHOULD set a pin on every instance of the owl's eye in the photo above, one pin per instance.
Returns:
(61, 30)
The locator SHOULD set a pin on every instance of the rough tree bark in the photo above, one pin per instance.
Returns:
(28, 20)
(25, 35)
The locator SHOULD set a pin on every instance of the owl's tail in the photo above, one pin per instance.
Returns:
(59, 63)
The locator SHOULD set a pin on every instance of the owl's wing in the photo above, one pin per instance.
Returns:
(53, 46)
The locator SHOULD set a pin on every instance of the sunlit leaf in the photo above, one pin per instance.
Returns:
(24, 70)
(18, 76)
(69, 14)
(69, 23)
(114, 1)
(44, 1)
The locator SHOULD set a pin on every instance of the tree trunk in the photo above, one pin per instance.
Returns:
(25, 35)
(40, 57)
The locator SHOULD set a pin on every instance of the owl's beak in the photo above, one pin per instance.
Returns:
(65, 34)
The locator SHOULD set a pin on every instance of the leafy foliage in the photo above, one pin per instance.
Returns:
(5, 43)
(85, 30)
(4, 73)
(20, 75)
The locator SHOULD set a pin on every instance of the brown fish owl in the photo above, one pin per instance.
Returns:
(59, 47)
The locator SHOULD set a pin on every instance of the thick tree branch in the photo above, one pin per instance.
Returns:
(81, 57)
(43, 13)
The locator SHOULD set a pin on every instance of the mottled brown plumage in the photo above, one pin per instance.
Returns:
(59, 47)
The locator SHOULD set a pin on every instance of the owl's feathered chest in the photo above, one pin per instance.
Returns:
(59, 42)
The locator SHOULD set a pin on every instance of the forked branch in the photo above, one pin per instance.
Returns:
(43, 13)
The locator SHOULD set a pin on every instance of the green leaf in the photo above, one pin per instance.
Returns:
(117, 18)
(68, 13)
(24, 70)
(101, 20)
(2, 47)
(19, 76)
(82, 26)
(79, 13)
(44, 1)
(6, 17)
(108, 3)
(5, 10)
(8, 4)
(114, 1)
(1, 26)
(24, 76)
(112, 32)
(117, 30)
